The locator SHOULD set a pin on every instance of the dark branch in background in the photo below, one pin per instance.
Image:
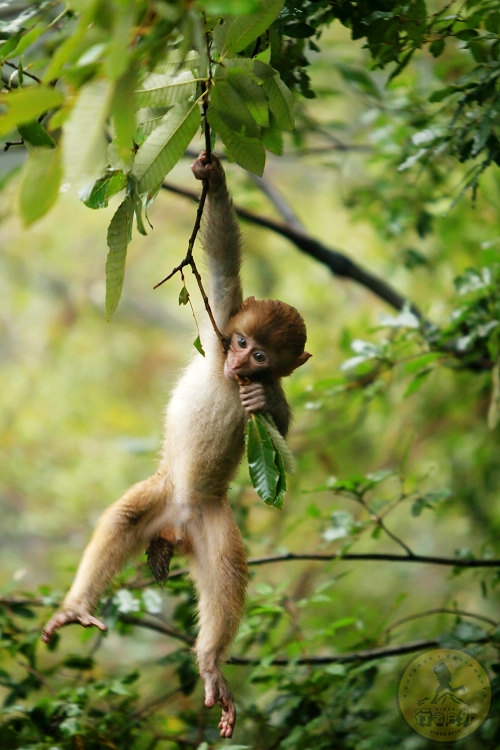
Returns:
(338, 263)
(379, 652)
(451, 562)
(382, 557)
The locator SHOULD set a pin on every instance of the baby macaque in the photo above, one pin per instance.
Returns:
(184, 506)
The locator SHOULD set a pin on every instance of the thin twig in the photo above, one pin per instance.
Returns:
(189, 259)
(439, 611)
(379, 521)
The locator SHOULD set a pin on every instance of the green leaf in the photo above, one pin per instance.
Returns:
(40, 183)
(24, 105)
(249, 153)
(84, 140)
(230, 107)
(235, 34)
(251, 93)
(265, 463)
(119, 236)
(360, 78)
(34, 134)
(417, 381)
(163, 148)
(169, 83)
(198, 346)
(419, 363)
(280, 101)
(105, 188)
(13, 49)
(183, 296)
(123, 111)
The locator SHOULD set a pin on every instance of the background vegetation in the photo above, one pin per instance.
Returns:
(388, 540)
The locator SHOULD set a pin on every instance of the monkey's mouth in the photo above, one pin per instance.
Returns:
(239, 374)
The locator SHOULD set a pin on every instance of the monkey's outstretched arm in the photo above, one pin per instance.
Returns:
(221, 240)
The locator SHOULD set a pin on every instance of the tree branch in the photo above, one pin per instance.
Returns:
(338, 263)
(382, 557)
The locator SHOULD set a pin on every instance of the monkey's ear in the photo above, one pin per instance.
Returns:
(247, 302)
(302, 359)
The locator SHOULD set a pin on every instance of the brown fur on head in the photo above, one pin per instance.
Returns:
(278, 327)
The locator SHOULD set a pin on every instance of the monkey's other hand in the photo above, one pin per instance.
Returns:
(252, 397)
(66, 617)
(207, 170)
(217, 691)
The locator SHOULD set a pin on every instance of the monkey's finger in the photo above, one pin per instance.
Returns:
(227, 721)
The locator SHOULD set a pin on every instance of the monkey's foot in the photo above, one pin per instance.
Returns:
(217, 691)
(66, 617)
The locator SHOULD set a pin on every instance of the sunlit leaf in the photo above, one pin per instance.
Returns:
(237, 33)
(84, 141)
(40, 183)
(24, 105)
(165, 146)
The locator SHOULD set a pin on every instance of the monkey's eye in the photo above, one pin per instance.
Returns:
(260, 357)
(242, 342)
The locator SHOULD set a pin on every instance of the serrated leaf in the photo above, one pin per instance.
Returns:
(105, 188)
(261, 460)
(237, 33)
(272, 138)
(163, 89)
(251, 93)
(266, 466)
(119, 236)
(40, 184)
(163, 148)
(249, 153)
(280, 101)
(24, 105)
(230, 106)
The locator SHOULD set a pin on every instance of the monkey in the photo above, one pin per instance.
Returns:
(183, 506)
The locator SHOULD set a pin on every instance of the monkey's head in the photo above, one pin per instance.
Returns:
(264, 338)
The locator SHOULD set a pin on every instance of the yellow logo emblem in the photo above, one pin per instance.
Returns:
(444, 694)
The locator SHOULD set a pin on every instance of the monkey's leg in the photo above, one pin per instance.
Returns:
(219, 569)
(123, 530)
